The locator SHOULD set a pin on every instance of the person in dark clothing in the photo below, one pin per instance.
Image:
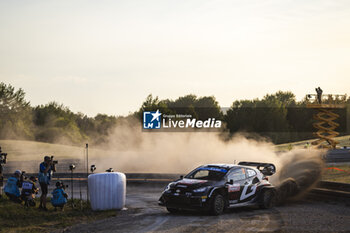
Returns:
(45, 172)
(319, 95)
(28, 191)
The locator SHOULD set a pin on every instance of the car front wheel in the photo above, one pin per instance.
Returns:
(218, 205)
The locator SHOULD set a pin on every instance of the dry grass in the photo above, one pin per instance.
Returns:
(17, 218)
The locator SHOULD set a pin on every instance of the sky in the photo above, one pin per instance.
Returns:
(107, 56)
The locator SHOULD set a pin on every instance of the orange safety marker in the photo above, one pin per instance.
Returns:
(335, 168)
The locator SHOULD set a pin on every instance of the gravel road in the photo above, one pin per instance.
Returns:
(144, 215)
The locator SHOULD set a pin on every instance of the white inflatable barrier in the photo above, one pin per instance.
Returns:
(107, 190)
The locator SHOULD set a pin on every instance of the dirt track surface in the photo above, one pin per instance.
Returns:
(144, 215)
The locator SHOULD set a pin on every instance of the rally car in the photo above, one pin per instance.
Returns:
(216, 187)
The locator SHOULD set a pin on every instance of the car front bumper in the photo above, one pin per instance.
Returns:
(186, 202)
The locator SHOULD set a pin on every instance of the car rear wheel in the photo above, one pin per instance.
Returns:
(268, 199)
(172, 210)
(218, 205)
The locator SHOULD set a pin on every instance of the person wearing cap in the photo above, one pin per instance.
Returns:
(12, 186)
(28, 191)
(59, 196)
(45, 170)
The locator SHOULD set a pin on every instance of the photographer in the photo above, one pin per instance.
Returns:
(3, 159)
(59, 196)
(28, 191)
(12, 186)
(45, 171)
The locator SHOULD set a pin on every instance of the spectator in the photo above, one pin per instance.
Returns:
(12, 186)
(45, 170)
(59, 196)
(28, 191)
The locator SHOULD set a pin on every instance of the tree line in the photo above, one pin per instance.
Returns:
(278, 116)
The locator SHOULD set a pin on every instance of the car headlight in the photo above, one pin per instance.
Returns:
(200, 190)
(168, 186)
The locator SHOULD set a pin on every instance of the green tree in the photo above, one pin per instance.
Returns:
(184, 105)
(267, 116)
(16, 113)
(207, 107)
(56, 123)
(152, 104)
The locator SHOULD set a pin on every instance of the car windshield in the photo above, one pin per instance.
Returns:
(207, 173)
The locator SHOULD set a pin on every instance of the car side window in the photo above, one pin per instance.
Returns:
(251, 172)
(238, 174)
(255, 180)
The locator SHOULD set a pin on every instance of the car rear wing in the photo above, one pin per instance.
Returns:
(268, 169)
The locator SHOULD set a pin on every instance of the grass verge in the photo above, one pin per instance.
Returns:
(17, 218)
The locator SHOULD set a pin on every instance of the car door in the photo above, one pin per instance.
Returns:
(250, 186)
(234, 189)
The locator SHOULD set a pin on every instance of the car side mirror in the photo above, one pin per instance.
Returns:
(181, 177)
(230, 182)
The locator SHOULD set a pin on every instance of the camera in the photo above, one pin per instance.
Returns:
(59, 184)
(23, 176)
(3, 157)
(92, 168)
(110, 170)
(54, 161)
(71, 167)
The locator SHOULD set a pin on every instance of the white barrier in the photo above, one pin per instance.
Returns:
(107, 190)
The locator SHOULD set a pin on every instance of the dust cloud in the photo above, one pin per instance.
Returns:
(177, 152)
(298, 170)
(180, 152)
(130, 150)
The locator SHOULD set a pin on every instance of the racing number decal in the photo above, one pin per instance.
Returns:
(244, 194)
(233, 188)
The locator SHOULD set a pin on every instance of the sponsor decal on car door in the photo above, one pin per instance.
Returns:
(233, 192)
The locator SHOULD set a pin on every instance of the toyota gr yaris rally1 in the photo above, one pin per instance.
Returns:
(215, 187)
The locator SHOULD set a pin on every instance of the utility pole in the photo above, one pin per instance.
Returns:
(87, 170)
(71, 168)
